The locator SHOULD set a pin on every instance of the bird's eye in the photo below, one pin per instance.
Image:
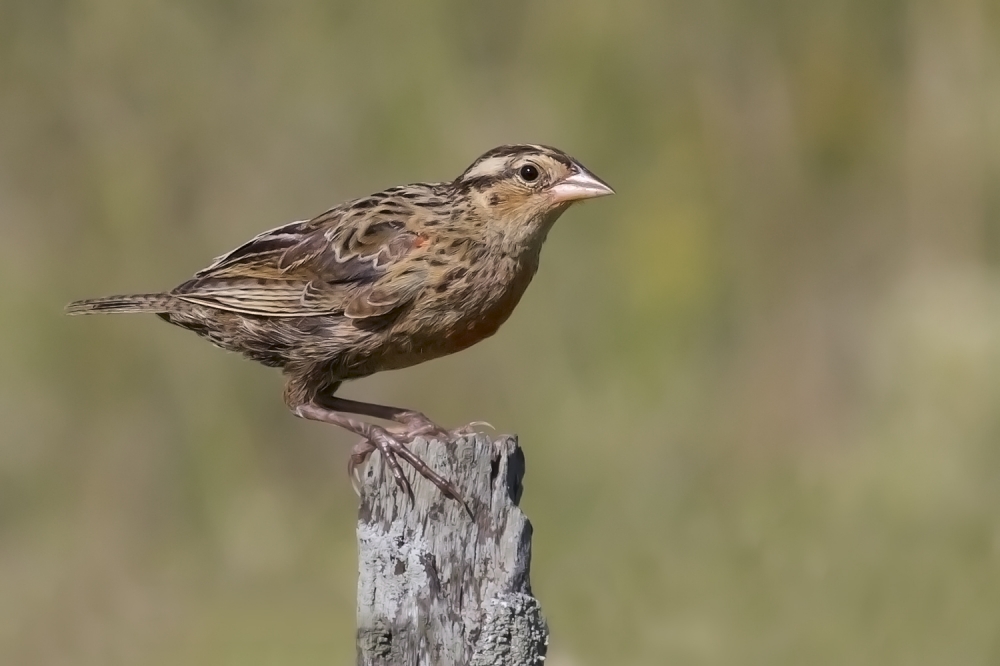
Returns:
(529, 172)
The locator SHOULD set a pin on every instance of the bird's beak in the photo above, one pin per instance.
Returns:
(580, 185)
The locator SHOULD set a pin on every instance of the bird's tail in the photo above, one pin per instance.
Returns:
(124, 303)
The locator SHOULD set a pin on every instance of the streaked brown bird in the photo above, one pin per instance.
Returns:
(382, 282)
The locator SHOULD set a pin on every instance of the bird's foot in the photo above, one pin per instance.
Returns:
(415, 424)
(392, 446)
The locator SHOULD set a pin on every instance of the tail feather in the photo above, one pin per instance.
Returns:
(123, 303)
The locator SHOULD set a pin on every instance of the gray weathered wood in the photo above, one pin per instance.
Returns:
(437, 587)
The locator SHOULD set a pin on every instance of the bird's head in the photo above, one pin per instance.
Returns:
(521, 189)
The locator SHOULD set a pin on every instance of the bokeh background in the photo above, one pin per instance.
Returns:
(758, 389)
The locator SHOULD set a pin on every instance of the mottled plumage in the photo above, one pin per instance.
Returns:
(382, 282)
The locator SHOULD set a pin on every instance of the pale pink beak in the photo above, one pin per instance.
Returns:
(580, 185)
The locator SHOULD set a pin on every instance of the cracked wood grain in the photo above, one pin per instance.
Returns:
(436, 586)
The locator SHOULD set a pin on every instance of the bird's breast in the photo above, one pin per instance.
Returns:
(487, 301)
(456, 314)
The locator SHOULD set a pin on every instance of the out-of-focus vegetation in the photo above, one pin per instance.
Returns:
(758, 389)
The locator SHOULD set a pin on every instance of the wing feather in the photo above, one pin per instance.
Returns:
(349, 261)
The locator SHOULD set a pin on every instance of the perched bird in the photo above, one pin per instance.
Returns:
(386, 281)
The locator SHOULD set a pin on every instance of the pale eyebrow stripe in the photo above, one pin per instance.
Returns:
(488, 167)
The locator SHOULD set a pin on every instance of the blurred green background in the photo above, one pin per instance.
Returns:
(758, 389)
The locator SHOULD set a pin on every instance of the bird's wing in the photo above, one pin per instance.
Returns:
(351, 260)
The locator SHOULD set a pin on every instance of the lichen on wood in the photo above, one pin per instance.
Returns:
(437, 586)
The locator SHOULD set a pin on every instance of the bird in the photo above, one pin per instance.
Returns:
(381, 282)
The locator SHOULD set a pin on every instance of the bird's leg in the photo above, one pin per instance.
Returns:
(414, 423)
(378, 438)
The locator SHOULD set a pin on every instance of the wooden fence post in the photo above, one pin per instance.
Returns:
(437, 587)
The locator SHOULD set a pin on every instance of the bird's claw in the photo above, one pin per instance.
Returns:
(359, 454)
(417, 425)
(391, 448)
(470, 428)
(429, 430)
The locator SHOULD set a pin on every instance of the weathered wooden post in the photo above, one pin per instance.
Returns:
(436, 586)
